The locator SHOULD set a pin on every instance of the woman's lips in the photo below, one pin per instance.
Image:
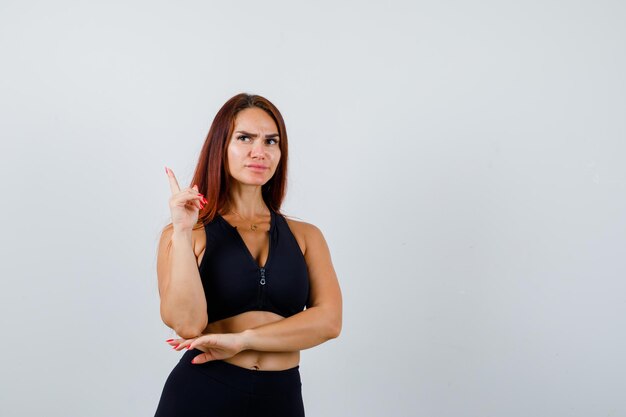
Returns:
(258, 168)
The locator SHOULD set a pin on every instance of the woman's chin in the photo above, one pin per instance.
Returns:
(251, 182)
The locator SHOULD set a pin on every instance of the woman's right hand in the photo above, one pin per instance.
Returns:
(185, 205)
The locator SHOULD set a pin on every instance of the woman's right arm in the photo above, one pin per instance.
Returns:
(183, 304)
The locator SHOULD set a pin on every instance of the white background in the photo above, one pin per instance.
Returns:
(464, 160)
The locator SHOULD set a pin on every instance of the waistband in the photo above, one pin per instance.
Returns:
(249, 380)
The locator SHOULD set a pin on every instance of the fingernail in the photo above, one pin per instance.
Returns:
(188, 347)
(169, 340)
(176, 346)
(166, 170)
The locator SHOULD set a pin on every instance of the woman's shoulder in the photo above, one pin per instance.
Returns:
(299, 224)
(310, 238)
(302, 230)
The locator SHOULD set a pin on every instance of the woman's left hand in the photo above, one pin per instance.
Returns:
(214, 345)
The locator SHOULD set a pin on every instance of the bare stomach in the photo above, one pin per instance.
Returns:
(254, 359)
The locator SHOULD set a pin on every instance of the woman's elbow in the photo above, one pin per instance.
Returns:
(334, 328)
(185, 328)
(188, 332)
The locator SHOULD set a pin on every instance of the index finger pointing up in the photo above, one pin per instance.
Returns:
(173, 183)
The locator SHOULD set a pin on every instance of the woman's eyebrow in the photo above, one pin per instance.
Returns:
(253, 135)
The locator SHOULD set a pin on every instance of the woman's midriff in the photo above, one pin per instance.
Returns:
(254, 359)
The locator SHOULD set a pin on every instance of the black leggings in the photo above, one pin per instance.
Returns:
(218, 388)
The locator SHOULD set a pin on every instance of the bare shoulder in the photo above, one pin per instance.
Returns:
(307, 234)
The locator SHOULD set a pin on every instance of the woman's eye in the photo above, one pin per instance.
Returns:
(246, 138)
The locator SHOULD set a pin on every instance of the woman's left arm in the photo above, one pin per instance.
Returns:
(321, 321)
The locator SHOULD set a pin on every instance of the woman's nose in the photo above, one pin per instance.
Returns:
(257, 149)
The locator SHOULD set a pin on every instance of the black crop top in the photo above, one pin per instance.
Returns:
(233, 281)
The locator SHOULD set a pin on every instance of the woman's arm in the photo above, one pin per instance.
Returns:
(318, 323)
(183, 305)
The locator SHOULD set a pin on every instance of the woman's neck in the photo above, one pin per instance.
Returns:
(247, 201)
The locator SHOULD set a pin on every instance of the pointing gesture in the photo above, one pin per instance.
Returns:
(185, 204)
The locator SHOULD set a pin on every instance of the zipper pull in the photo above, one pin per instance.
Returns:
(262, 281)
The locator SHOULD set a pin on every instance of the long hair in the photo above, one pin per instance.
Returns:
(210, 174)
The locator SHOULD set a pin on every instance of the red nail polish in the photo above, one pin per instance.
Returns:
(169, 340)
(166, 170)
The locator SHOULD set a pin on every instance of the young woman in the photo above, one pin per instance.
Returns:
(244, 287)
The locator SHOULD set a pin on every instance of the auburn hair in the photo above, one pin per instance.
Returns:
(210, 174)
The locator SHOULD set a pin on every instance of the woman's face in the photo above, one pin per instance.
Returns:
(253, 152)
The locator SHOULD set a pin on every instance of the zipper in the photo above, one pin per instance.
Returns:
(261, 296)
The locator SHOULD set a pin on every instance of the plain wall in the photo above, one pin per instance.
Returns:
(464, 160)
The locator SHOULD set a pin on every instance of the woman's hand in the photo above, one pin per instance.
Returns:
(185, 205)
(214, 345)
